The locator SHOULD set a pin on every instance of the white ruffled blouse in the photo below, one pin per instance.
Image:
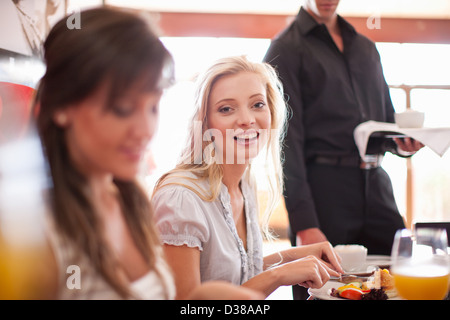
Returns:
(183, 218)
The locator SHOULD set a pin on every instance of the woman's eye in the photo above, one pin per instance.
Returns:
(225, 109)
(122, 111)
(259, 105)
(154, 109)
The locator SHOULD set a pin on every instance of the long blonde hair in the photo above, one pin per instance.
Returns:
(196, 161)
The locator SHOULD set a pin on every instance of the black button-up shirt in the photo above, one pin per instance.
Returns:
(330, 92)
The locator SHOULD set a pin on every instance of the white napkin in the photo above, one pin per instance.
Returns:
(437, 139)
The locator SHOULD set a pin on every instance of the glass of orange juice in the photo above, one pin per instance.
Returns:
(420, 264)
(27, 267)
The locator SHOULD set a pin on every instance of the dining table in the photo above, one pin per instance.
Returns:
(373, 262)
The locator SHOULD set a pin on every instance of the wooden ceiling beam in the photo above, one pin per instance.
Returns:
(189, 24)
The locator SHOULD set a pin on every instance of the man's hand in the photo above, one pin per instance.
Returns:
(310, 236)
(408, 145)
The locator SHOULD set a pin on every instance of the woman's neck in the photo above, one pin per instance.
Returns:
(104, 192)
(232, 175)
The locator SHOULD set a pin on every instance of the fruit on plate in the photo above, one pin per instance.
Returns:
(381, 279)
(356, 291)
(351, 293)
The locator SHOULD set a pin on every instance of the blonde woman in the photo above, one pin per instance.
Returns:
(206, 208)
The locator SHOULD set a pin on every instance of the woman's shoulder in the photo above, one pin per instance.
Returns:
(180, 177)
(181, 186)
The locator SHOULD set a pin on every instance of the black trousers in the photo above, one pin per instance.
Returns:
(354, 206)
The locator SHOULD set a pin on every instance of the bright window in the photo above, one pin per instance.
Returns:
(403, 64)
(421, 65)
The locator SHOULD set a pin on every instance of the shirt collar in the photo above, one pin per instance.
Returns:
(224, 196)
(307, 23)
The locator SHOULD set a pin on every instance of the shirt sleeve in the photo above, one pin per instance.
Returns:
(297, 194)
(179, 217)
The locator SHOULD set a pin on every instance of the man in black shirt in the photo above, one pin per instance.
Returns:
(333, 81)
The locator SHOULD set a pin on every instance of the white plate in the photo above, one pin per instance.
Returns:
(324, 293)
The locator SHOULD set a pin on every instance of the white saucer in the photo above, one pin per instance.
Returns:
(373, 262)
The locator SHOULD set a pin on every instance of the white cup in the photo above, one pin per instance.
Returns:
(410, 119)
(353, 257)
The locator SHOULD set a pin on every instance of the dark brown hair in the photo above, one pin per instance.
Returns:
(120, 49)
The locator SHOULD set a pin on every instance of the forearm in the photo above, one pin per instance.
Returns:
(278, 258)
(309, 271)
(285, 256)
(266, 282)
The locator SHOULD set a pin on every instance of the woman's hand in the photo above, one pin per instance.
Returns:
(321, 250)
(310, 266)
(309, 272)
(324, 251)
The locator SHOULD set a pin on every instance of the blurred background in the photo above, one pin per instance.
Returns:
(412, 37)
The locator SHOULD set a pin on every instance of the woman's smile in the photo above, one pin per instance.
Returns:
(247, 138)
(133, 154)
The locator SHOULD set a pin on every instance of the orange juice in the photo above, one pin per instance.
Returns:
(26, 272)
(412, 284)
